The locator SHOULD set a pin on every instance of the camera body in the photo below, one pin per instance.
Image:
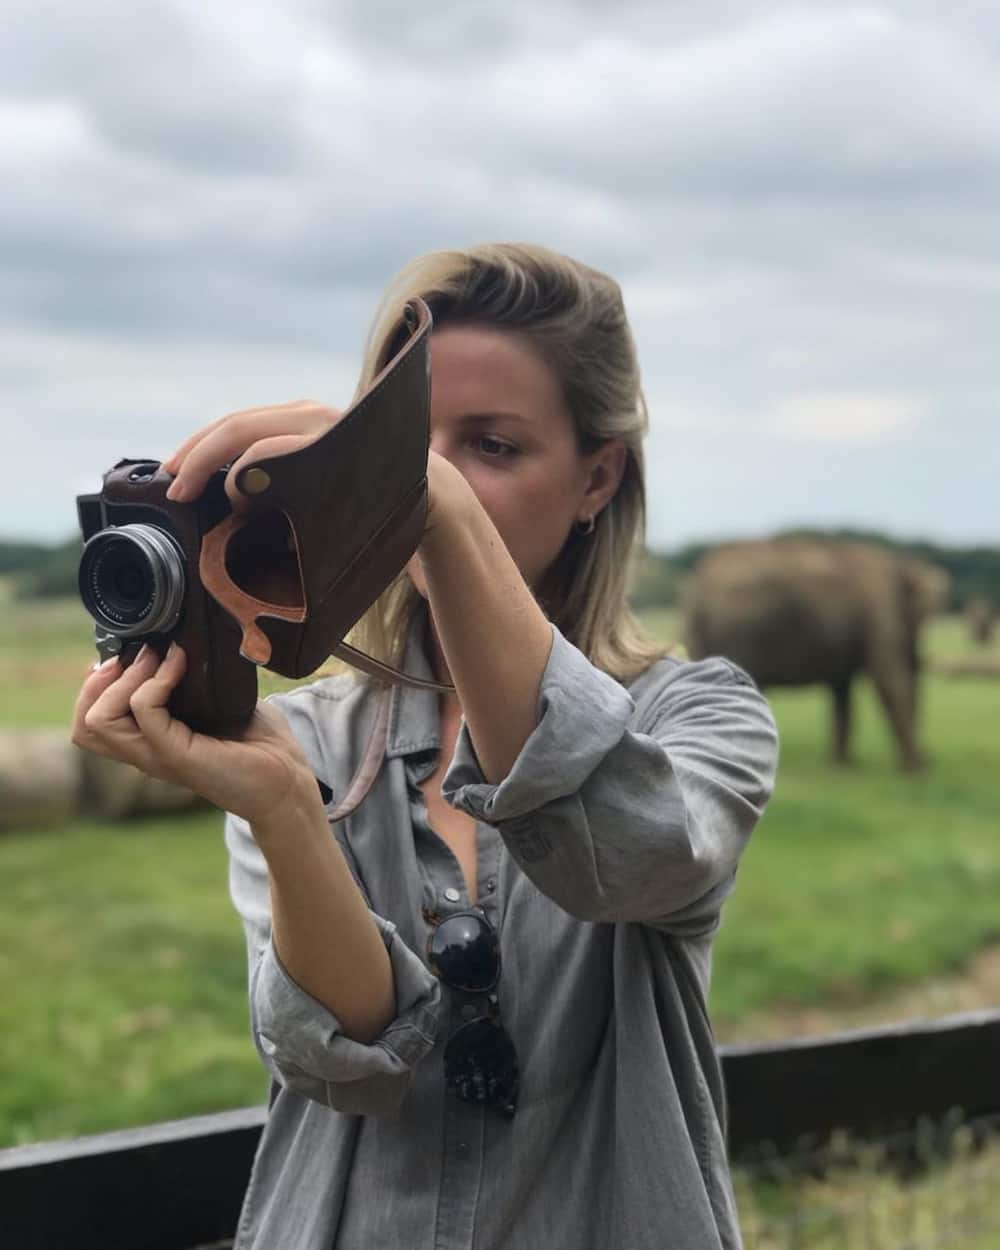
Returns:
(139, 581)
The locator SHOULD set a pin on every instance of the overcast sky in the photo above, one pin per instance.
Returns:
(202, 202)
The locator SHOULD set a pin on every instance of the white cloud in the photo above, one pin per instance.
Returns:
(799, 200)
(847, 417)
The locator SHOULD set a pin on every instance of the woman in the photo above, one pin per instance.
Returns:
(580, 795)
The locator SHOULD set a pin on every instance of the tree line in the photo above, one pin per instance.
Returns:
(38, 571)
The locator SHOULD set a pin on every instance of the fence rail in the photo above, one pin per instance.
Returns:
(179, 1185)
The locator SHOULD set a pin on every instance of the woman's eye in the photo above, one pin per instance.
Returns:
(494, 447)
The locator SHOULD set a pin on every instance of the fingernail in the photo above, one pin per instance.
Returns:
(98, 665)
(177, 491)
(145, 651)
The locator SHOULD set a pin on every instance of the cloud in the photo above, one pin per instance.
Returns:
(798, 198)
(847, 417)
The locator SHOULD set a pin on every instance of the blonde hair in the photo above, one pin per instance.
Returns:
(574, 316)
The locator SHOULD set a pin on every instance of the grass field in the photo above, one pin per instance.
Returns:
(123, 963)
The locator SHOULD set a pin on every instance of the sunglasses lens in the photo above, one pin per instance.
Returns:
(465, 953)
(480, 1065)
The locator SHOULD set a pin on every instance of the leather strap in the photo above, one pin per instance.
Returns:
(374, 755)
(364, 778)
(376, 668)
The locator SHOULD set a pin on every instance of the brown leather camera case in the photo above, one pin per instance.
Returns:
(329, 526)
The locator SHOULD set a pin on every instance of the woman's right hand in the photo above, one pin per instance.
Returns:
(262, 776)
(244, 438)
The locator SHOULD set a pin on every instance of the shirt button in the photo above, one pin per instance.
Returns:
(452, 895)
(462, 1149)
(491, 885)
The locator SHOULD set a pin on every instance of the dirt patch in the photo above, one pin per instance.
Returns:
(973, 989)
(967, 668)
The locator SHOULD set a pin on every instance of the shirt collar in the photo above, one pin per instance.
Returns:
(414, 717)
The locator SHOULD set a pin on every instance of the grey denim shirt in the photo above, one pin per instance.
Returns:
(604, 858)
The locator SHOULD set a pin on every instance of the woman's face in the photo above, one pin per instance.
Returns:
(498, 414)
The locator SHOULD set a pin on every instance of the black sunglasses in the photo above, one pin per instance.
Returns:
(480, 1062)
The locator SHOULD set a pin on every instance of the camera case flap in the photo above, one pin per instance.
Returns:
(329, 526)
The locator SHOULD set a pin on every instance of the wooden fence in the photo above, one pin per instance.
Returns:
(179, 1185)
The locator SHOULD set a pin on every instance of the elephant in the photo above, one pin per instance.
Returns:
(795, 612)
(981, 617)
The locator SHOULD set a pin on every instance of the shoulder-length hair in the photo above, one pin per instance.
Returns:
(575, 317)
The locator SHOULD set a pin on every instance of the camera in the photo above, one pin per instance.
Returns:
(138, 579)
(324, 530)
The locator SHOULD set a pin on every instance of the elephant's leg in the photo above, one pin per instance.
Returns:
(841, 720)
(896, 686)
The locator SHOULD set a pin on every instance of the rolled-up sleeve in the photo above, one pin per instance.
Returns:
(625, 815)
(299, 1040)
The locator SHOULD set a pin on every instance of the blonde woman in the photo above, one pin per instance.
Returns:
(482, 997)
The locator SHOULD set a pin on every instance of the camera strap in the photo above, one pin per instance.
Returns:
(385, 672)
(374, 755)
(371, 762)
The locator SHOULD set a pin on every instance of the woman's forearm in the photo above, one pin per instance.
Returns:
(322, 929)
(494, 636)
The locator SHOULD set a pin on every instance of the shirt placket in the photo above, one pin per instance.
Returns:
(464, 1123)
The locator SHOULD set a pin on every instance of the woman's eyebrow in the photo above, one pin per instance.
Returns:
(484, 418)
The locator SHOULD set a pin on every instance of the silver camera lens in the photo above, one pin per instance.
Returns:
(132, 580)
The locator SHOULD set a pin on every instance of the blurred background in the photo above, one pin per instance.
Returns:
(202, 204)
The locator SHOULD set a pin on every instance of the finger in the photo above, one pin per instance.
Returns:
(168, 738)
(173, 462)
(228, 439)
(98, 679)
(112, 705)
(277, 445)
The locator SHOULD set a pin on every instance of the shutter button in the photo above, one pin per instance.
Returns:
(452, 895)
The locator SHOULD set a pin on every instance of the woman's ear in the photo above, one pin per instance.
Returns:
(605, 469)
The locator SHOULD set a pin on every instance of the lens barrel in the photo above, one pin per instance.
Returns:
(132, 580)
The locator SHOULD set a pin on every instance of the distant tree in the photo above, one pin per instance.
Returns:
(655, 582)
(40, 571)
(15, 557)
(52, 575)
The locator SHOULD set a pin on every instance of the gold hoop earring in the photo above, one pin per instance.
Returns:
(584, 529)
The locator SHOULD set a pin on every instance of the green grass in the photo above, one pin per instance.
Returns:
(45, 650)
(124, 973)
(122, 960)
(861, 1199)
(860, 879)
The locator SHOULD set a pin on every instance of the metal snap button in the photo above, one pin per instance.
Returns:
(452, 895)
(255, 481)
